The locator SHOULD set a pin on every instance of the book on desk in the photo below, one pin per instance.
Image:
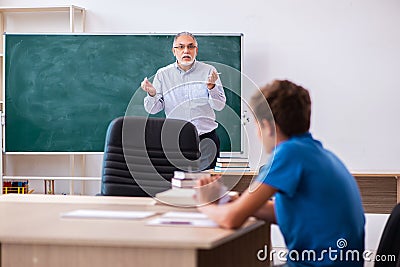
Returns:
(190, 175)
(183, 190)
(233, 159)
(232, 164)
(184, 183)
(187, 179)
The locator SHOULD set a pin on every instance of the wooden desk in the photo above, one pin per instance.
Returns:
(380, 191)
(33, 234)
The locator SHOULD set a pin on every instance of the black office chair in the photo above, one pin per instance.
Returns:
(390, 240)
(141, 155)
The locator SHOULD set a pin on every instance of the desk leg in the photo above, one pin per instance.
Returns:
(398, 188)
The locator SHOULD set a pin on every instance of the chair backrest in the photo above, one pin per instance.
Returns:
(141, 154)
(390, 240)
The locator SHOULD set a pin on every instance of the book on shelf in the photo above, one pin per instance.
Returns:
(232, 164)
(190, 175)
(177, 182)
(233, 159)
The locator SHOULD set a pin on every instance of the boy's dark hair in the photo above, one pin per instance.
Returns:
(289, 105)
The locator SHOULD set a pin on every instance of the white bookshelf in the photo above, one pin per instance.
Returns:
(76, 22)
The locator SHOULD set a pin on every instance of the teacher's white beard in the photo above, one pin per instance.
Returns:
(187, 63)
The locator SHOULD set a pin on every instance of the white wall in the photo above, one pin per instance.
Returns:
(345, 52)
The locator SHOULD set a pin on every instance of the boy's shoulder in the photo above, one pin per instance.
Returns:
(299, 145)
(294, 144)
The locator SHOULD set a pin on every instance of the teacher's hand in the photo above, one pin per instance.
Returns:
(212, 78)
(148, 87)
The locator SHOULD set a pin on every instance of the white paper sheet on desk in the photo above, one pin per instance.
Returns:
(193, 219)
(108, 214)
(185, 215)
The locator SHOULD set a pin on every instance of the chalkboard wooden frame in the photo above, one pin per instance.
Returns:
(62, 90)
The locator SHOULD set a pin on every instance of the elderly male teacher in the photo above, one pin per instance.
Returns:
(189, 90)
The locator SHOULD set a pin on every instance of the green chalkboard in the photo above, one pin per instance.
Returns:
(61, 91)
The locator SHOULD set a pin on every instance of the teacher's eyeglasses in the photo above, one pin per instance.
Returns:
(182, 47)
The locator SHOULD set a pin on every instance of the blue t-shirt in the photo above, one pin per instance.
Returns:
(318, 205)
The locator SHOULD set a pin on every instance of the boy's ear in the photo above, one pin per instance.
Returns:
(267, 127)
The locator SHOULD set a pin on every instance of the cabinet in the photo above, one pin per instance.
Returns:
(380, 191)
(76, 20)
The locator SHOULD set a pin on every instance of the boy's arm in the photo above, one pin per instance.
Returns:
(234, 214)
(267, 212)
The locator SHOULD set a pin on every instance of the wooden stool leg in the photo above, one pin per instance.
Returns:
(52, 187)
